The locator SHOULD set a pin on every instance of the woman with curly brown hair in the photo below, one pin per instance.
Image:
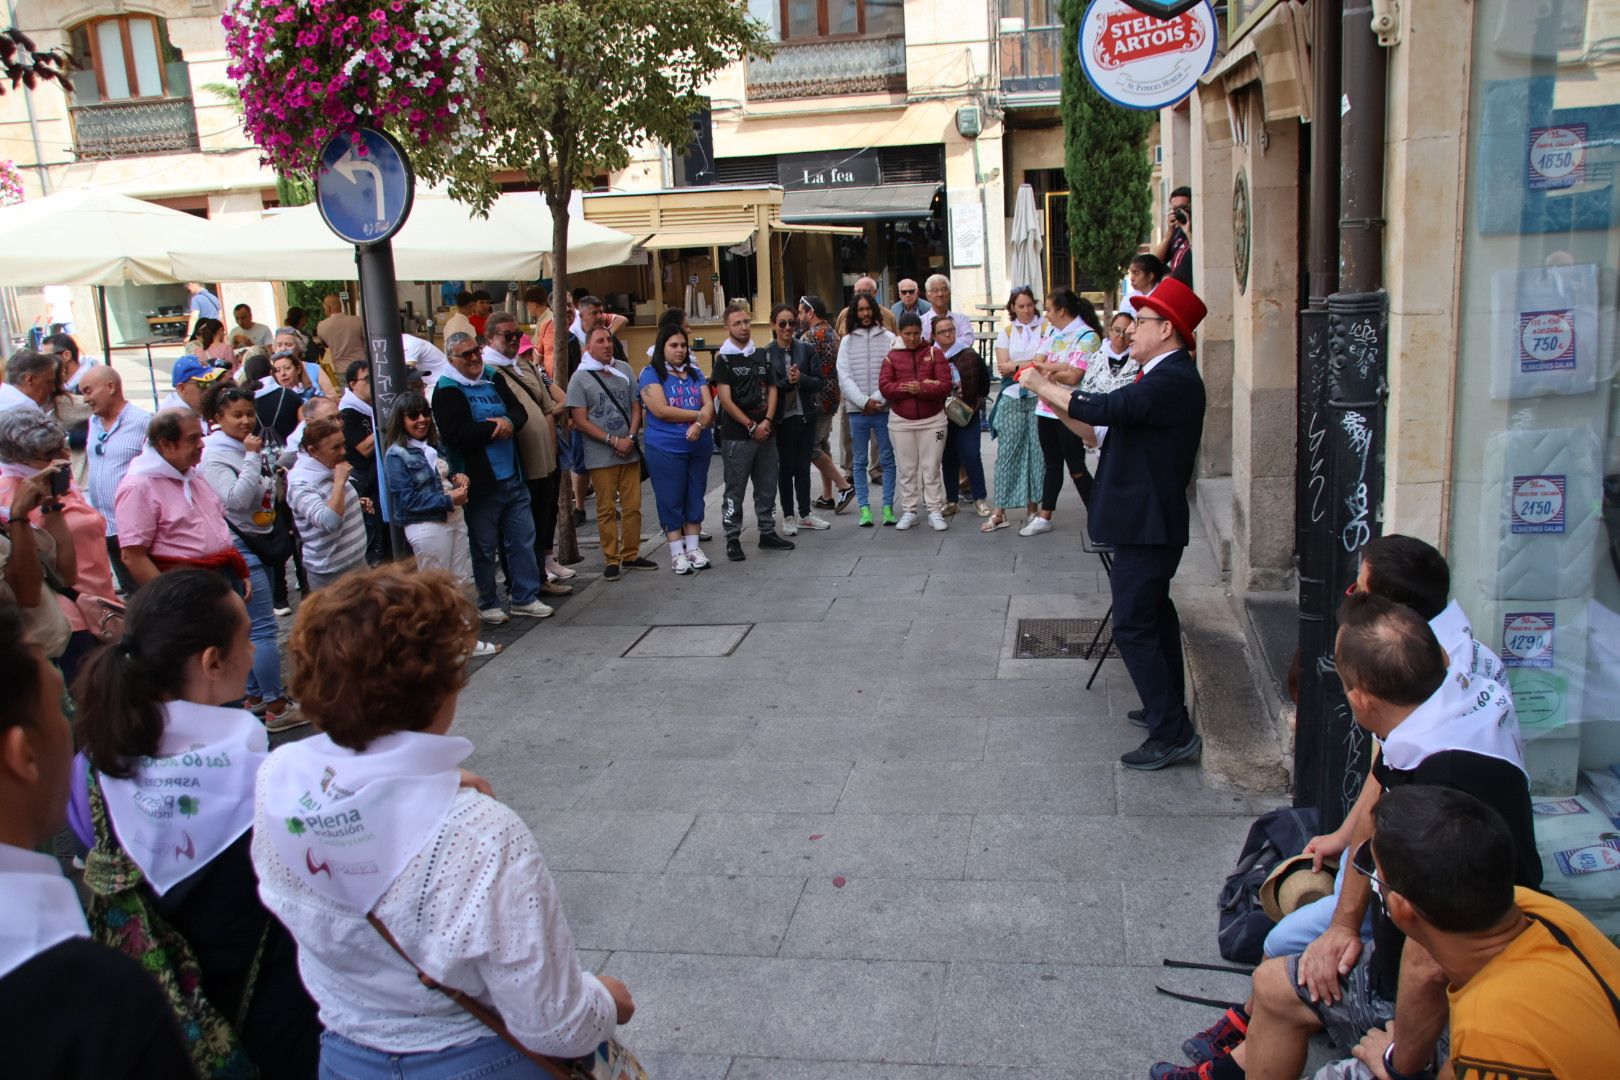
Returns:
(371, 828)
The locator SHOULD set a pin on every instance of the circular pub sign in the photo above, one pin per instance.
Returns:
(1141, 61)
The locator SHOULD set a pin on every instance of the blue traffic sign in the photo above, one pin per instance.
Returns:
(364, 198)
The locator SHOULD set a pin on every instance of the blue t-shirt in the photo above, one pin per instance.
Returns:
(485, 402)
(205, 304)
(687, 393)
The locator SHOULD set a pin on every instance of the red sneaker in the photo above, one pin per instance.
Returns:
(1219, 1039)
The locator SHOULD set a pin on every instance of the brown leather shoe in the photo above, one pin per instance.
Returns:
(555, 588)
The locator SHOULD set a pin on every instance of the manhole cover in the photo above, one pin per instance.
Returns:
(1063, 639)
(673, 642)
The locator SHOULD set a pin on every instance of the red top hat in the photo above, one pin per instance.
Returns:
(1176, 303)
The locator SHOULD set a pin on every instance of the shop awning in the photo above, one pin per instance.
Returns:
(706, 237)
(860, 203)
(801, 227)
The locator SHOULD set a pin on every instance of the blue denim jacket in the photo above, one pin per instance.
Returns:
(414, 491)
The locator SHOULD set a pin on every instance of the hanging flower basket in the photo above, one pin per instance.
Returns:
(11, 184)
(311, 69)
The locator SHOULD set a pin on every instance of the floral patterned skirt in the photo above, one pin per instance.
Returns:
(1019, 466)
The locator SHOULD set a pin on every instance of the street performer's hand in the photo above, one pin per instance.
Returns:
(1328, 959)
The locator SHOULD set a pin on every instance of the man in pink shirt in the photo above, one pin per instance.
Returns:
(167, 514)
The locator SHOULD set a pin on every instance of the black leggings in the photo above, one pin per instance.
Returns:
(795, 445)
(1059, 447)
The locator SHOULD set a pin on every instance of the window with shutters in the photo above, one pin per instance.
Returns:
(132, 94)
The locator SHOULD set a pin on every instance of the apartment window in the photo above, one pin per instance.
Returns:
(805, 20)
(127, 57)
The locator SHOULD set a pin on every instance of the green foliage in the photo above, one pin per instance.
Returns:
(574, 85)
(1109, 171)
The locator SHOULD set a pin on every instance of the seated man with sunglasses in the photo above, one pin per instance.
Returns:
(1435, 725)
(1532, 984)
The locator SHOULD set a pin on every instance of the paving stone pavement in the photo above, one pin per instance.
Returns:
(850, 834)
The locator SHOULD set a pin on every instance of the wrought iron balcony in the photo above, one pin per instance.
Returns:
(114, 129)
(1032, 60)
(823, 68)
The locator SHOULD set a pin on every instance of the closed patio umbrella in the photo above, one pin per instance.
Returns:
(442, 240)
(1028, 246)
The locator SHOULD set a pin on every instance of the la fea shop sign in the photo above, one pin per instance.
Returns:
(1141, 61)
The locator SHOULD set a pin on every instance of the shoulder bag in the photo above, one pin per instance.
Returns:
(272, 548)
(611, 1061)
(641, 451)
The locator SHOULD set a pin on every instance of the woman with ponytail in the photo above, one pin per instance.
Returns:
(163, 796)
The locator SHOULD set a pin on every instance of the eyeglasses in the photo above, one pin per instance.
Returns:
(464, 355)
(1363, 863)
(502, 334)
(784, 324)
(1150, 318)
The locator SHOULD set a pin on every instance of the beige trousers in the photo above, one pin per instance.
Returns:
(919, 445)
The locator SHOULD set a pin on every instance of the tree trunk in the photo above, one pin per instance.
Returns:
(567, 539)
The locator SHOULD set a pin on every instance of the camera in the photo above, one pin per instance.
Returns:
(59, 480)
(1180, 215)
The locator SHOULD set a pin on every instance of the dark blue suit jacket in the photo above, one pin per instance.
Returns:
(1140, 492)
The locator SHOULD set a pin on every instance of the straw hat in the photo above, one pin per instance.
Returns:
(1293, 884)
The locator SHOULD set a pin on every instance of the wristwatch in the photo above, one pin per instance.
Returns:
(1426, 1073)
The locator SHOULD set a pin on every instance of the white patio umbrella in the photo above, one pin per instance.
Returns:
(93, 238)
(1028, 246)
(442, 240)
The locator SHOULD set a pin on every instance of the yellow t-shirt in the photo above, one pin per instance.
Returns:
(1535, 1012)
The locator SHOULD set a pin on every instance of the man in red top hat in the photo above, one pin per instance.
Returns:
(1149, 433)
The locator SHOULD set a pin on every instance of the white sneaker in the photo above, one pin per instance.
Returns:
(698, 560)
(811, 521)
(556, 571)
(937, 521)
(790, 527)
(682, 564)
(1036, 526)
(494, 616)
(534, 609)
(908, 520)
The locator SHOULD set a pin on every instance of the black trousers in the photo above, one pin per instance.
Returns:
(115, 555)
(1147, 632)
(795, 445)
(543, 495)
(1060, 447)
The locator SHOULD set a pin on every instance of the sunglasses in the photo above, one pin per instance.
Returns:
(502, 334)
(908, 292)
(468, 355)
(784, 324)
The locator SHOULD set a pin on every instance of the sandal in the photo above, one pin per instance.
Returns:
(998, 520)
(486, 648)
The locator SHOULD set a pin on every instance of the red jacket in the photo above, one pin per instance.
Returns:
(922, 364)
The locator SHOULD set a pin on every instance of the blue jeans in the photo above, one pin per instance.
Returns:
(488, 1058)
(861, 429)
(501, 519)
(678, 483)
(962, 451)
(264, 680)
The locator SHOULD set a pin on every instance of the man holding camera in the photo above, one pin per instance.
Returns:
(1175, 250)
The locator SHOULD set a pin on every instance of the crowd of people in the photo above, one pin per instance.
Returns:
(356, 901)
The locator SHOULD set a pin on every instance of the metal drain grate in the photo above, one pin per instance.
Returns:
(1062, 639)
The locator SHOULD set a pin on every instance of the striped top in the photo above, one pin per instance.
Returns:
(107, 456)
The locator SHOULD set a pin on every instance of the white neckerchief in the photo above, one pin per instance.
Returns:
(493, 357)
(1456, 635)
(267, 386)
(577, 328)
(218, 440)
(352, 400)
(151, 463)
(295, 440)
(179, 810)
(428, 452)
(306, 469)
(956, 346)
(19, 472)
(1108, 351)
(729, 347)
(347, 823)
(42, 910)
(588, 362)
(13, 398)
(454, 374)
(1153, 363)
(1468, 712)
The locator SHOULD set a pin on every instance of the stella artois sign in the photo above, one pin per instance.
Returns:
(1141, 61)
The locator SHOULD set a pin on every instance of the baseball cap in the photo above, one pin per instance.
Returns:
(191, 369)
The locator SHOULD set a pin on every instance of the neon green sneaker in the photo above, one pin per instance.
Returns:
(888, 515)
(865, 520)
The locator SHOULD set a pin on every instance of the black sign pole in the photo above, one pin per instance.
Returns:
(385, 346)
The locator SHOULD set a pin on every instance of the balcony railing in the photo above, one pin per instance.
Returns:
(823, 68)
(1032, 60)
(127, 128)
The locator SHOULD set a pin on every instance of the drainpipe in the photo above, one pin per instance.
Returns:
(33, 121)
(1357, 387)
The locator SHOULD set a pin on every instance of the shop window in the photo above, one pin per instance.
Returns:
(132, 94)
(807, 20)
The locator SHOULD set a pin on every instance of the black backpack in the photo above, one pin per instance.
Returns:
(1274, 836)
